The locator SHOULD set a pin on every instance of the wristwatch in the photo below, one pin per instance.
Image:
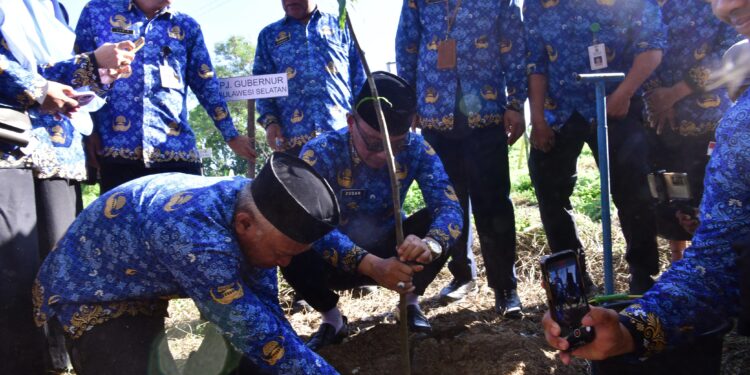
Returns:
(435, 248)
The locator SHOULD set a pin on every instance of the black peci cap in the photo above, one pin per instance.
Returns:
(295, 199)
(397, 98)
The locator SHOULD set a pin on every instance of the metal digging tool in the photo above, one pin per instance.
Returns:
(600, 80)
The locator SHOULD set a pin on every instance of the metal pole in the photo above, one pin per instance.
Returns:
(600, 81)
(251, 135)
(603, 142)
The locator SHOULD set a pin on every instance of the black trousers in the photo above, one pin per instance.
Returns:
(313, 278)
(673, 152)
(141, 347)
(126, 345)
(477, 165)
(554, 177)
(22, 346)
(58, 202)
(114, 174)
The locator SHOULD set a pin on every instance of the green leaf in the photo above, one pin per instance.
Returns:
(342, 13)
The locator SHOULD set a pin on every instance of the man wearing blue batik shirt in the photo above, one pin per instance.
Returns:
(680, 107)
(323, 69)
(144, 127)
(466, 60)
(215, 240)
(703, 289)
(362, 250)
(569, 37)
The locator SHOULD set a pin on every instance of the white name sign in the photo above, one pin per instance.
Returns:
(254, 87)
(205, 153)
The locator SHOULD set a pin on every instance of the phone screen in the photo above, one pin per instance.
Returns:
(84, 98)
(565, 292)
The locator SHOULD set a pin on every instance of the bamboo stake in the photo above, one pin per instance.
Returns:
(403, 327)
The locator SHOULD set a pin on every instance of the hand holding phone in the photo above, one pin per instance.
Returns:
(84, 97)
(125, 69)
(568, 304)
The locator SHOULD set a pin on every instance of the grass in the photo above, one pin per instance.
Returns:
(586, 198)
(90, 193)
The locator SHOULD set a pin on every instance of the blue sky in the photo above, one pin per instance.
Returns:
(221, 19)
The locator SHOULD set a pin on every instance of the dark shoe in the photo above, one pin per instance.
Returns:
(640, 282)
(300, 305)
(416, 320)
(457, 290)
(327, 335)
(508, 304)
(589, 287)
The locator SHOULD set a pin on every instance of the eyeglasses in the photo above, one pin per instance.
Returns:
(375, 144)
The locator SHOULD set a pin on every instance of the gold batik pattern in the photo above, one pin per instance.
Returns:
(89, 316)
(649, 326)
(352, 258)
(299, 140)
(698, 77)
(151, 156)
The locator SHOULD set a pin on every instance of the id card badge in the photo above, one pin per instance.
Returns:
(169, 77)
(446, 58)
(598, 56)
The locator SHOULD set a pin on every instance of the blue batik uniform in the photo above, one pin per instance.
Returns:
(161, 237)
(365, 200)
(324, 72)
(146, 116)
(558, 34)
(696, 42)
(490, 60)
(702, 289)
(57, 150)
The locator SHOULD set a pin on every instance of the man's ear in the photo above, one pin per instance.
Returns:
(243, 221)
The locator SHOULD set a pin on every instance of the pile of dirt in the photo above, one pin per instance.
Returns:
(465, 341)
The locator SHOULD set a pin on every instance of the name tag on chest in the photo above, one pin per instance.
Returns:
(120, 30)
(353, 193)
(598, 56)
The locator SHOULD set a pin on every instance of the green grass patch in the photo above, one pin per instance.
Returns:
(90, 193)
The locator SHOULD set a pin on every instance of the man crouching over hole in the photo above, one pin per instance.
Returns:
(215, 240)
(362, 250)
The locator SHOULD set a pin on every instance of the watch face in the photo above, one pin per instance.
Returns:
(435, 248)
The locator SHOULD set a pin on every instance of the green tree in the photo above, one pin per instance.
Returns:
(234, 58)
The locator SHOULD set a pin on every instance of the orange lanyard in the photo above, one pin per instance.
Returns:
(452, 18)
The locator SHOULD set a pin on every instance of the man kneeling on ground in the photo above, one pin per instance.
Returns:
(362, 250)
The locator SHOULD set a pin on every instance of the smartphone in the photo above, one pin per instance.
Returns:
(566, 296)
(84, 97)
